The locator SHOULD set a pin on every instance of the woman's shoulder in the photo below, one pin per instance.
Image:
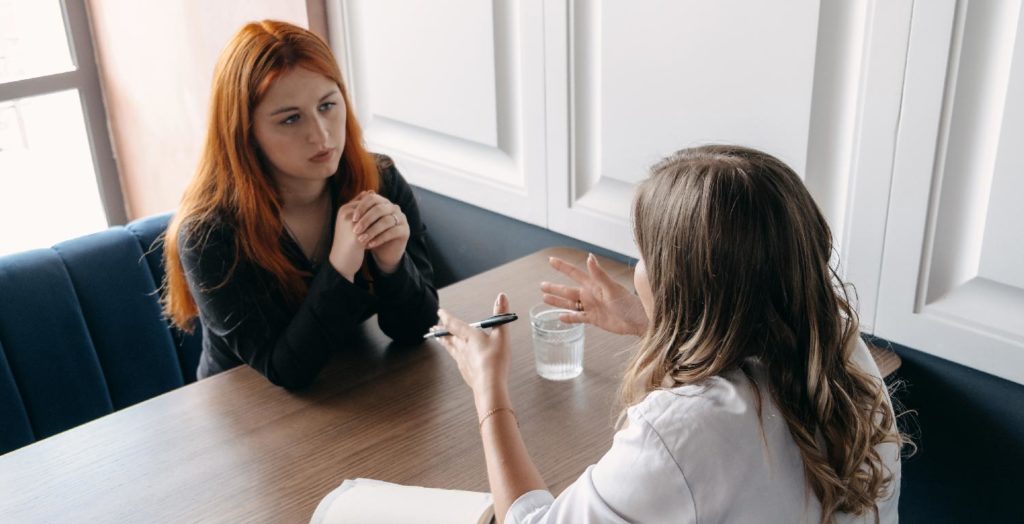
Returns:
(696, 414)
(386, 168)
(384, 162)
(709, 396)
(206, 235)
(861, 357)
(392, 183)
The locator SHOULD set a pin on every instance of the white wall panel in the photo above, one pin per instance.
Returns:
(818, 85)
(677, 73)
(421, 63)
(953, 272)
(1002, 252)
(644, 79)
(453, 91)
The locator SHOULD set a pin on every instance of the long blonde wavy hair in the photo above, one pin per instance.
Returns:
(737, 255)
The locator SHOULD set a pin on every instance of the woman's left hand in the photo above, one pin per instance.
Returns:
(482, 356)
(382, 229)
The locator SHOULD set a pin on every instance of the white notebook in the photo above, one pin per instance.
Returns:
(363, 501)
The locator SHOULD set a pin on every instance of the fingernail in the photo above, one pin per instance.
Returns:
(362, 238)
(590, 256)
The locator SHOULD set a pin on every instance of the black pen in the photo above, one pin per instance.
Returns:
(496, 320)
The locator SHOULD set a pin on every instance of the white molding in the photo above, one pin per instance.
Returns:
(858, 88)
(581, 203)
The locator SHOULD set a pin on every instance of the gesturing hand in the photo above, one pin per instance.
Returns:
(381, 228)
(605, 303)
(482, 356)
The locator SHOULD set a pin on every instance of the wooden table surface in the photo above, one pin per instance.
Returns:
(235, 448)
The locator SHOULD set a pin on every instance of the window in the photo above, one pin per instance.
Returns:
(57, 173)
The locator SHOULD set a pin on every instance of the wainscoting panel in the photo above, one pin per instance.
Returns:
(953, 272)
(453, 91)
(629, 83)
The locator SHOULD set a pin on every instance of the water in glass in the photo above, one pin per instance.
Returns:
(557, 346)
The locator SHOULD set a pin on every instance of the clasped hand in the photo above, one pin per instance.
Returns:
(369, 222)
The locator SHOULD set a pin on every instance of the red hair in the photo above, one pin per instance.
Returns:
(231, 182)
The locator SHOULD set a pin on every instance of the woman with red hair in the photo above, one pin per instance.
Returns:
(291, 233)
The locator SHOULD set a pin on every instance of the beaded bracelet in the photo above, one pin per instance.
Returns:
(495, 410)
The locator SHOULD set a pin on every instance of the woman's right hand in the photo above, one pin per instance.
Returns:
(605, 303)
(482, 356)
(346, 252)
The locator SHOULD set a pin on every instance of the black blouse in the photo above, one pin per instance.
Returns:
(247, 319)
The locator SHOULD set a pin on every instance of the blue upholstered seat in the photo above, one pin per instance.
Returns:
(16, 431)
(120, 304)
(47, 344)
(149, 233)
(82, 334)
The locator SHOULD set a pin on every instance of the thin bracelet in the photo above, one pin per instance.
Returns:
(495, 410)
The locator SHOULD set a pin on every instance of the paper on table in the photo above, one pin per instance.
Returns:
(365, 500)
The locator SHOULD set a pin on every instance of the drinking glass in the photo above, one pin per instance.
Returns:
(557, 346)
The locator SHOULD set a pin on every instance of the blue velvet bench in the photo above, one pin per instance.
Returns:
(82, 334)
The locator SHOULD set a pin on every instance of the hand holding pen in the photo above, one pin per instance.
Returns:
(496, 320)
(482, 355)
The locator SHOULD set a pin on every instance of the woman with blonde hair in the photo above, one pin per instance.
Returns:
(751, 397)
(291, 233)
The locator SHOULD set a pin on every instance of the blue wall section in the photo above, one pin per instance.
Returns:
(970, 426)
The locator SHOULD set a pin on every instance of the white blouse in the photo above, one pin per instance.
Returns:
(696, 454)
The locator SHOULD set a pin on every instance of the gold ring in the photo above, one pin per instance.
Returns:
(579, 306)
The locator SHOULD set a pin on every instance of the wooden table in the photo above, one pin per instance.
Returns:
(234, 448)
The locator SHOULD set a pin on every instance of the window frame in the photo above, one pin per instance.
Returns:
(85, 79)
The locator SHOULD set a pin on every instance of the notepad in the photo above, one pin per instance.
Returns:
(365, 500)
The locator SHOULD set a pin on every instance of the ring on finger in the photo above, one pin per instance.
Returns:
(579, 305)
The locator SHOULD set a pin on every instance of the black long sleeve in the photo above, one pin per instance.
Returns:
(408, 299)
(246, 318)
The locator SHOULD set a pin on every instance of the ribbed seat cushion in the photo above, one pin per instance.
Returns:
(17, 431)
(149, 233)
(121, 308)
(45, 339)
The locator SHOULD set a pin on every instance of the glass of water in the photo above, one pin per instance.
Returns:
(557, 346)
